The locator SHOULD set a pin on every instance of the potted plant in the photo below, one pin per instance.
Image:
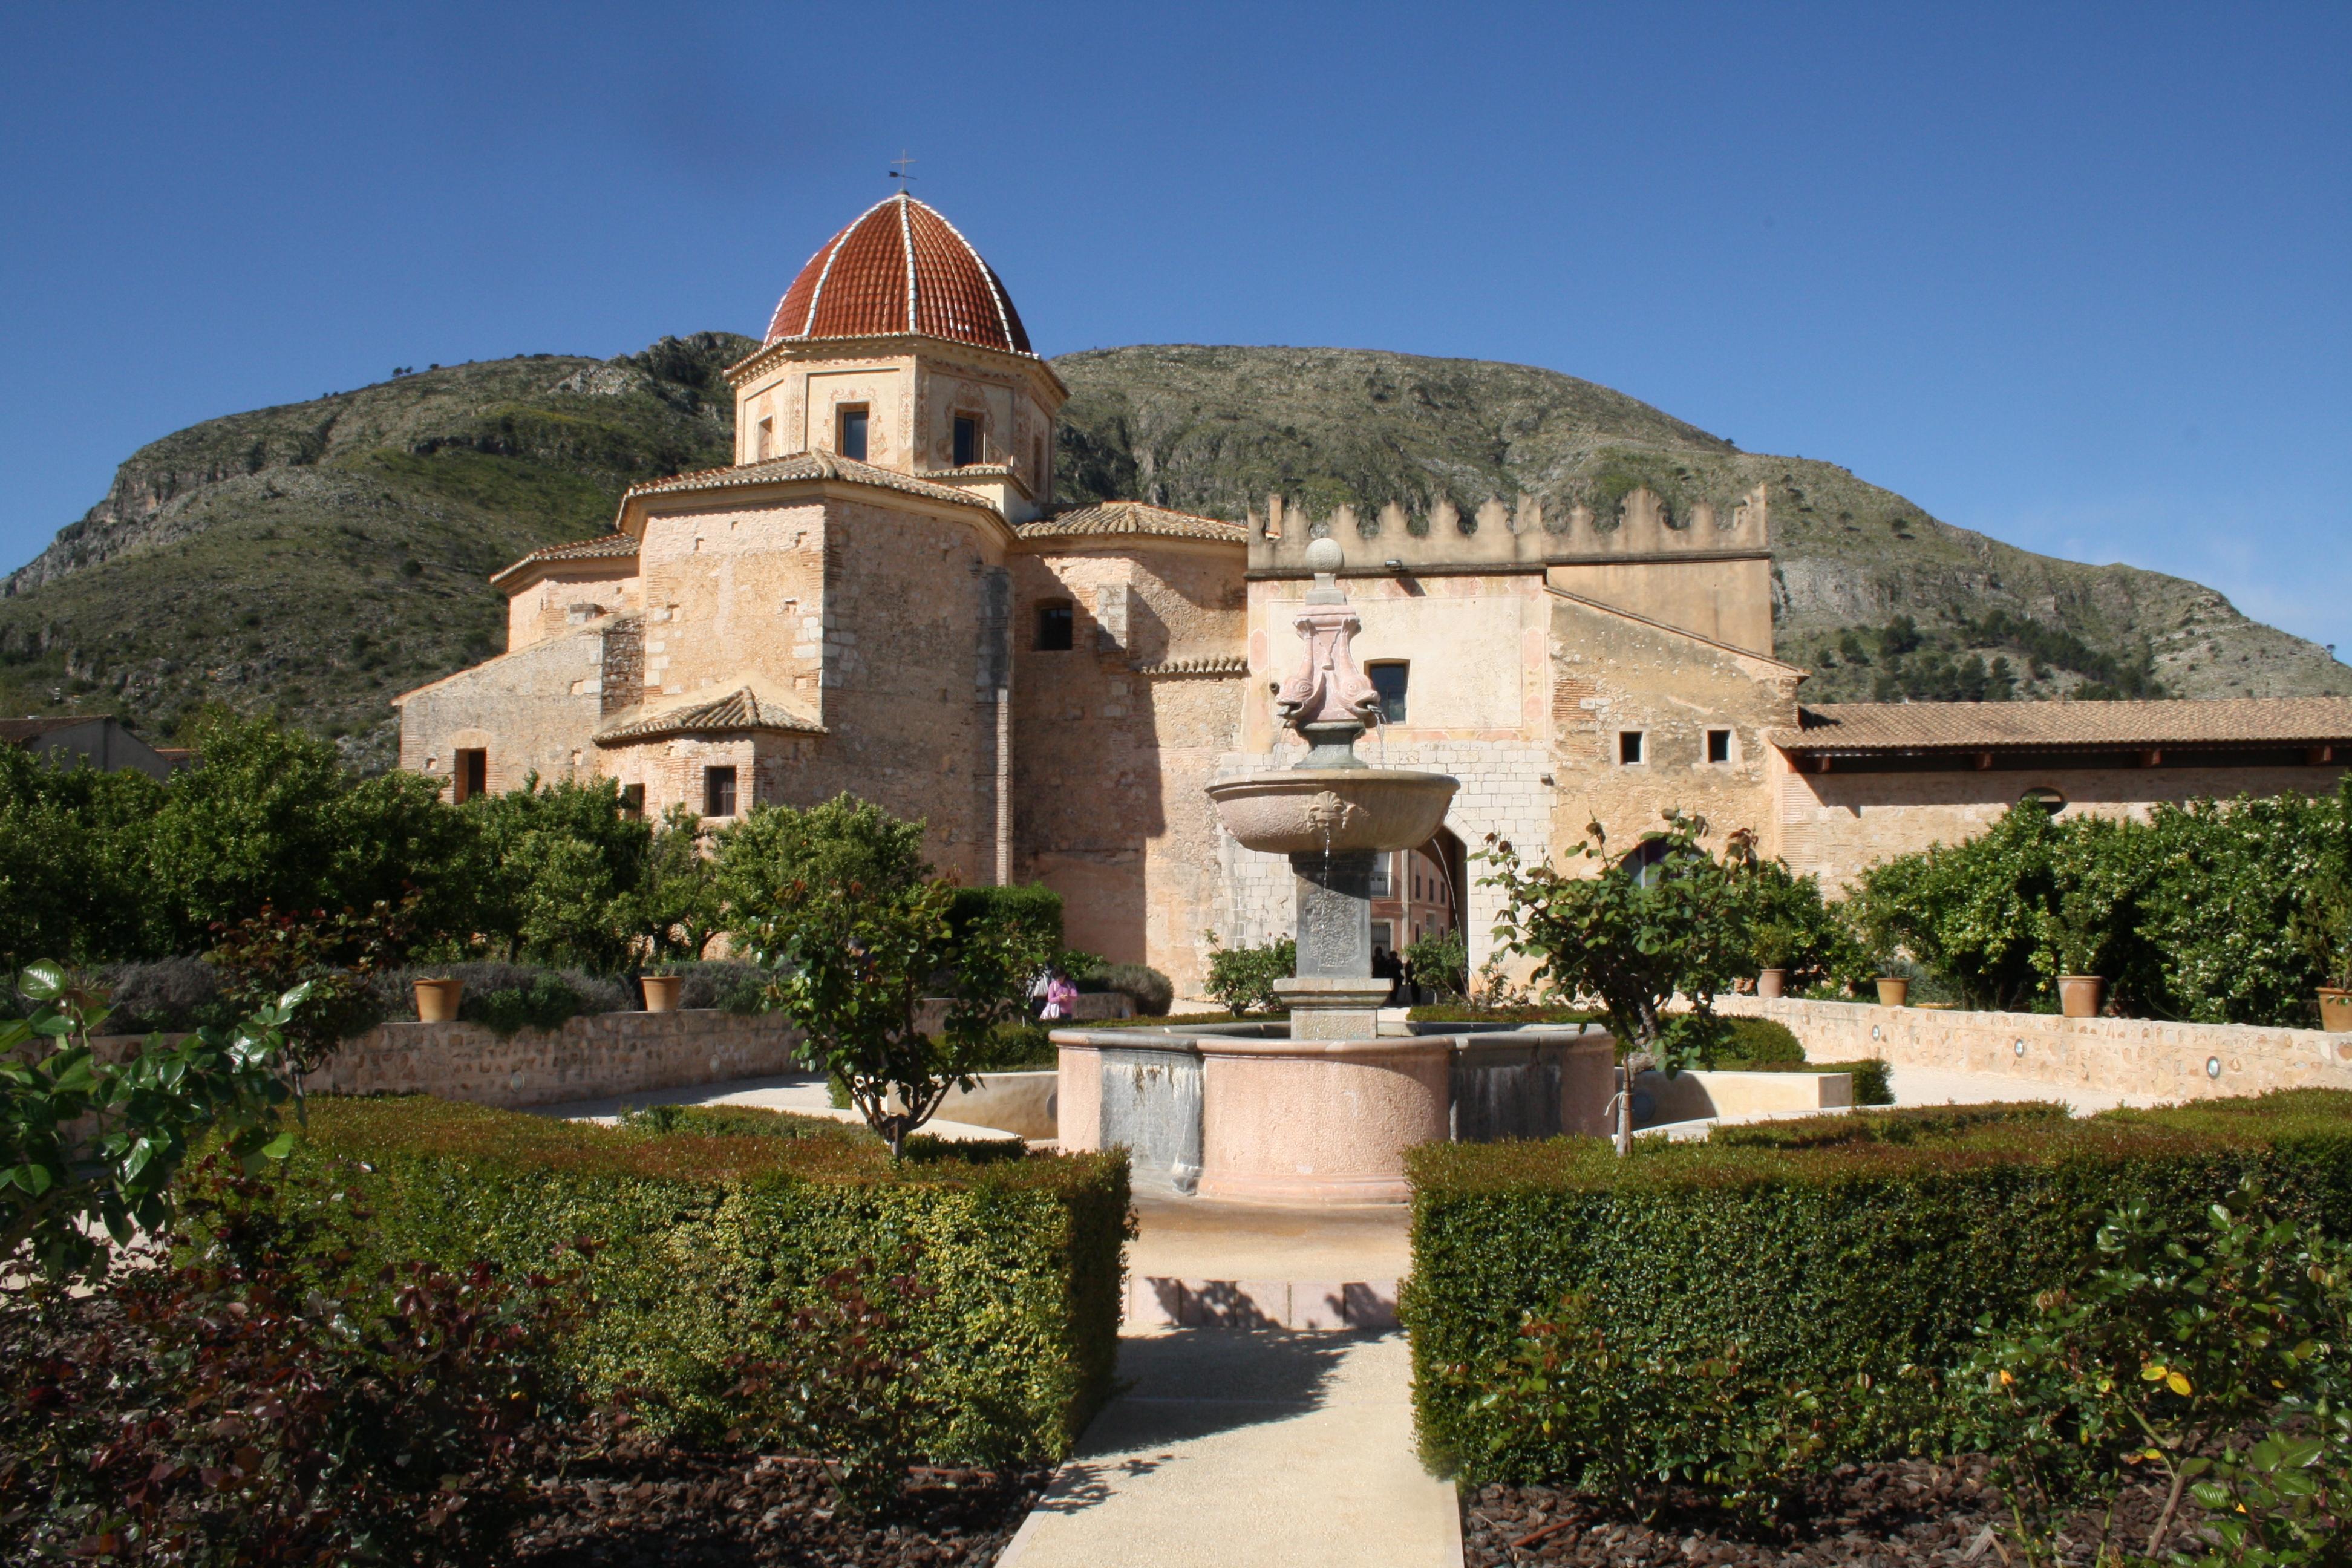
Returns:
(661, 984)
(2077, 941)
(2325, 927)
(436, 1000)
(1893, 990)
(1774, 944)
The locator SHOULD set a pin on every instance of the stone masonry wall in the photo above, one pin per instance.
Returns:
(1117, 736)
(2125, 1055)
(589, 1058)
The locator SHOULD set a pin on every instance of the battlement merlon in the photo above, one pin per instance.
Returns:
(1500, 537)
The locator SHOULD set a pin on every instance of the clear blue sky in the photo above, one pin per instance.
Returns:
(2074, 276)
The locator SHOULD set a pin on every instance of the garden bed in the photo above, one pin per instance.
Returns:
(1913, 1511)
(675, 1509)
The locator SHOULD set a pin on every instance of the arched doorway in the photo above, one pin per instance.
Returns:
(1418, 893)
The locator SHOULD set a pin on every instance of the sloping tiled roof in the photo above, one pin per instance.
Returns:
(807, 466)
(19, 731)
(1994, 726)
(899, 268)
(738, 712)
(1133, 517)
(614, 546)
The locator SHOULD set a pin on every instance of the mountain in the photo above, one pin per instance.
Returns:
(318, 557)
(1871, 594)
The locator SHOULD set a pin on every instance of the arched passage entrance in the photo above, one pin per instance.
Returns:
(1419, 892)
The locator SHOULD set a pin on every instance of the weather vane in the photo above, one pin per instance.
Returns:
(902, 163)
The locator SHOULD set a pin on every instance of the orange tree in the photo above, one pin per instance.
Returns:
(837, 903)
(1666, 921)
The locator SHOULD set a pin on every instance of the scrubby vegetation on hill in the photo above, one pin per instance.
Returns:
(317, 558)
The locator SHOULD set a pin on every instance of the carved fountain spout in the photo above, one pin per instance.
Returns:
(1332, 816)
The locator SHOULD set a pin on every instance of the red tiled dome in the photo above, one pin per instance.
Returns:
(862, 283)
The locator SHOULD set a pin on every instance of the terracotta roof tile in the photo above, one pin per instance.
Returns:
(899, 268)
(1993, 726)
(807, 466)
(614, 546)
(738, 712)
(1132, 517)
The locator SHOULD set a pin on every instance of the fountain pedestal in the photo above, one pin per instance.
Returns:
(1336, 996)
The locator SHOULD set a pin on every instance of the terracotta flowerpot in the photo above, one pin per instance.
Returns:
(661, 992)
(2335, 1010)
(436, 1000)
(1772, 984)
(2079, 994)
(1892, 993)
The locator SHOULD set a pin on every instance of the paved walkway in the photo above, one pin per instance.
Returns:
(1249, 1450)
(803, 1094)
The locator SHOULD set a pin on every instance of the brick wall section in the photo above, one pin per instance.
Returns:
(2123, 1055)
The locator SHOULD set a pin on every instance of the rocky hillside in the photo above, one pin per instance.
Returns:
(1873, 594)
(319, 557)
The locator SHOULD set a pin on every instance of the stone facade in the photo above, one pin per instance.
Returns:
(879, 596)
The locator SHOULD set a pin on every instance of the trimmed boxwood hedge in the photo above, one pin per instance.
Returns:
(1848, 1258)
(705, 1220)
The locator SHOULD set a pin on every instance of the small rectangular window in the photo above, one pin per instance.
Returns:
(472, 775)
(1629, 747)
(718, 792)
(853, 434)
(1383, 934)
(967, 440)
(633, 800)
(1718, 745)
(1382, 882)
(1388, 680)
(1056, 623)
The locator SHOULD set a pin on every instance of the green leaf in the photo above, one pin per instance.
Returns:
(279, 1147)
(44, 980)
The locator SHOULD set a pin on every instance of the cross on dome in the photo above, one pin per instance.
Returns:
(899, 268)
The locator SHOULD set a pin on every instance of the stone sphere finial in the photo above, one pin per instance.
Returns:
(1324, 555)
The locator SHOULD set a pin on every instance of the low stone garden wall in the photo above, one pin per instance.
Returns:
(2121, 1056)
(591, 1057)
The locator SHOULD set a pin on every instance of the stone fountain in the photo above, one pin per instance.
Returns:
(1332, 816)
(1321, 1110)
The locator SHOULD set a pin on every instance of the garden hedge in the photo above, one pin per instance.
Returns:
(705, 1221)
(1841, 1263)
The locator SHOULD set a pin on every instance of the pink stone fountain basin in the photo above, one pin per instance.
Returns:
(1304, 810)
(1239, 1112)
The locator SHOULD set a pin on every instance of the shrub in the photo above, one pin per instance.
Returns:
(700, 1230)
(2178, 1336)
(167, 995)
(1758, 1042)
(528, 995)
(1152, 992)
(1831, 1272)
(238, 1413)
(1441, 963)
(717, 983)
(1457, 1012)
(1242, 977)
(1792, 927)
